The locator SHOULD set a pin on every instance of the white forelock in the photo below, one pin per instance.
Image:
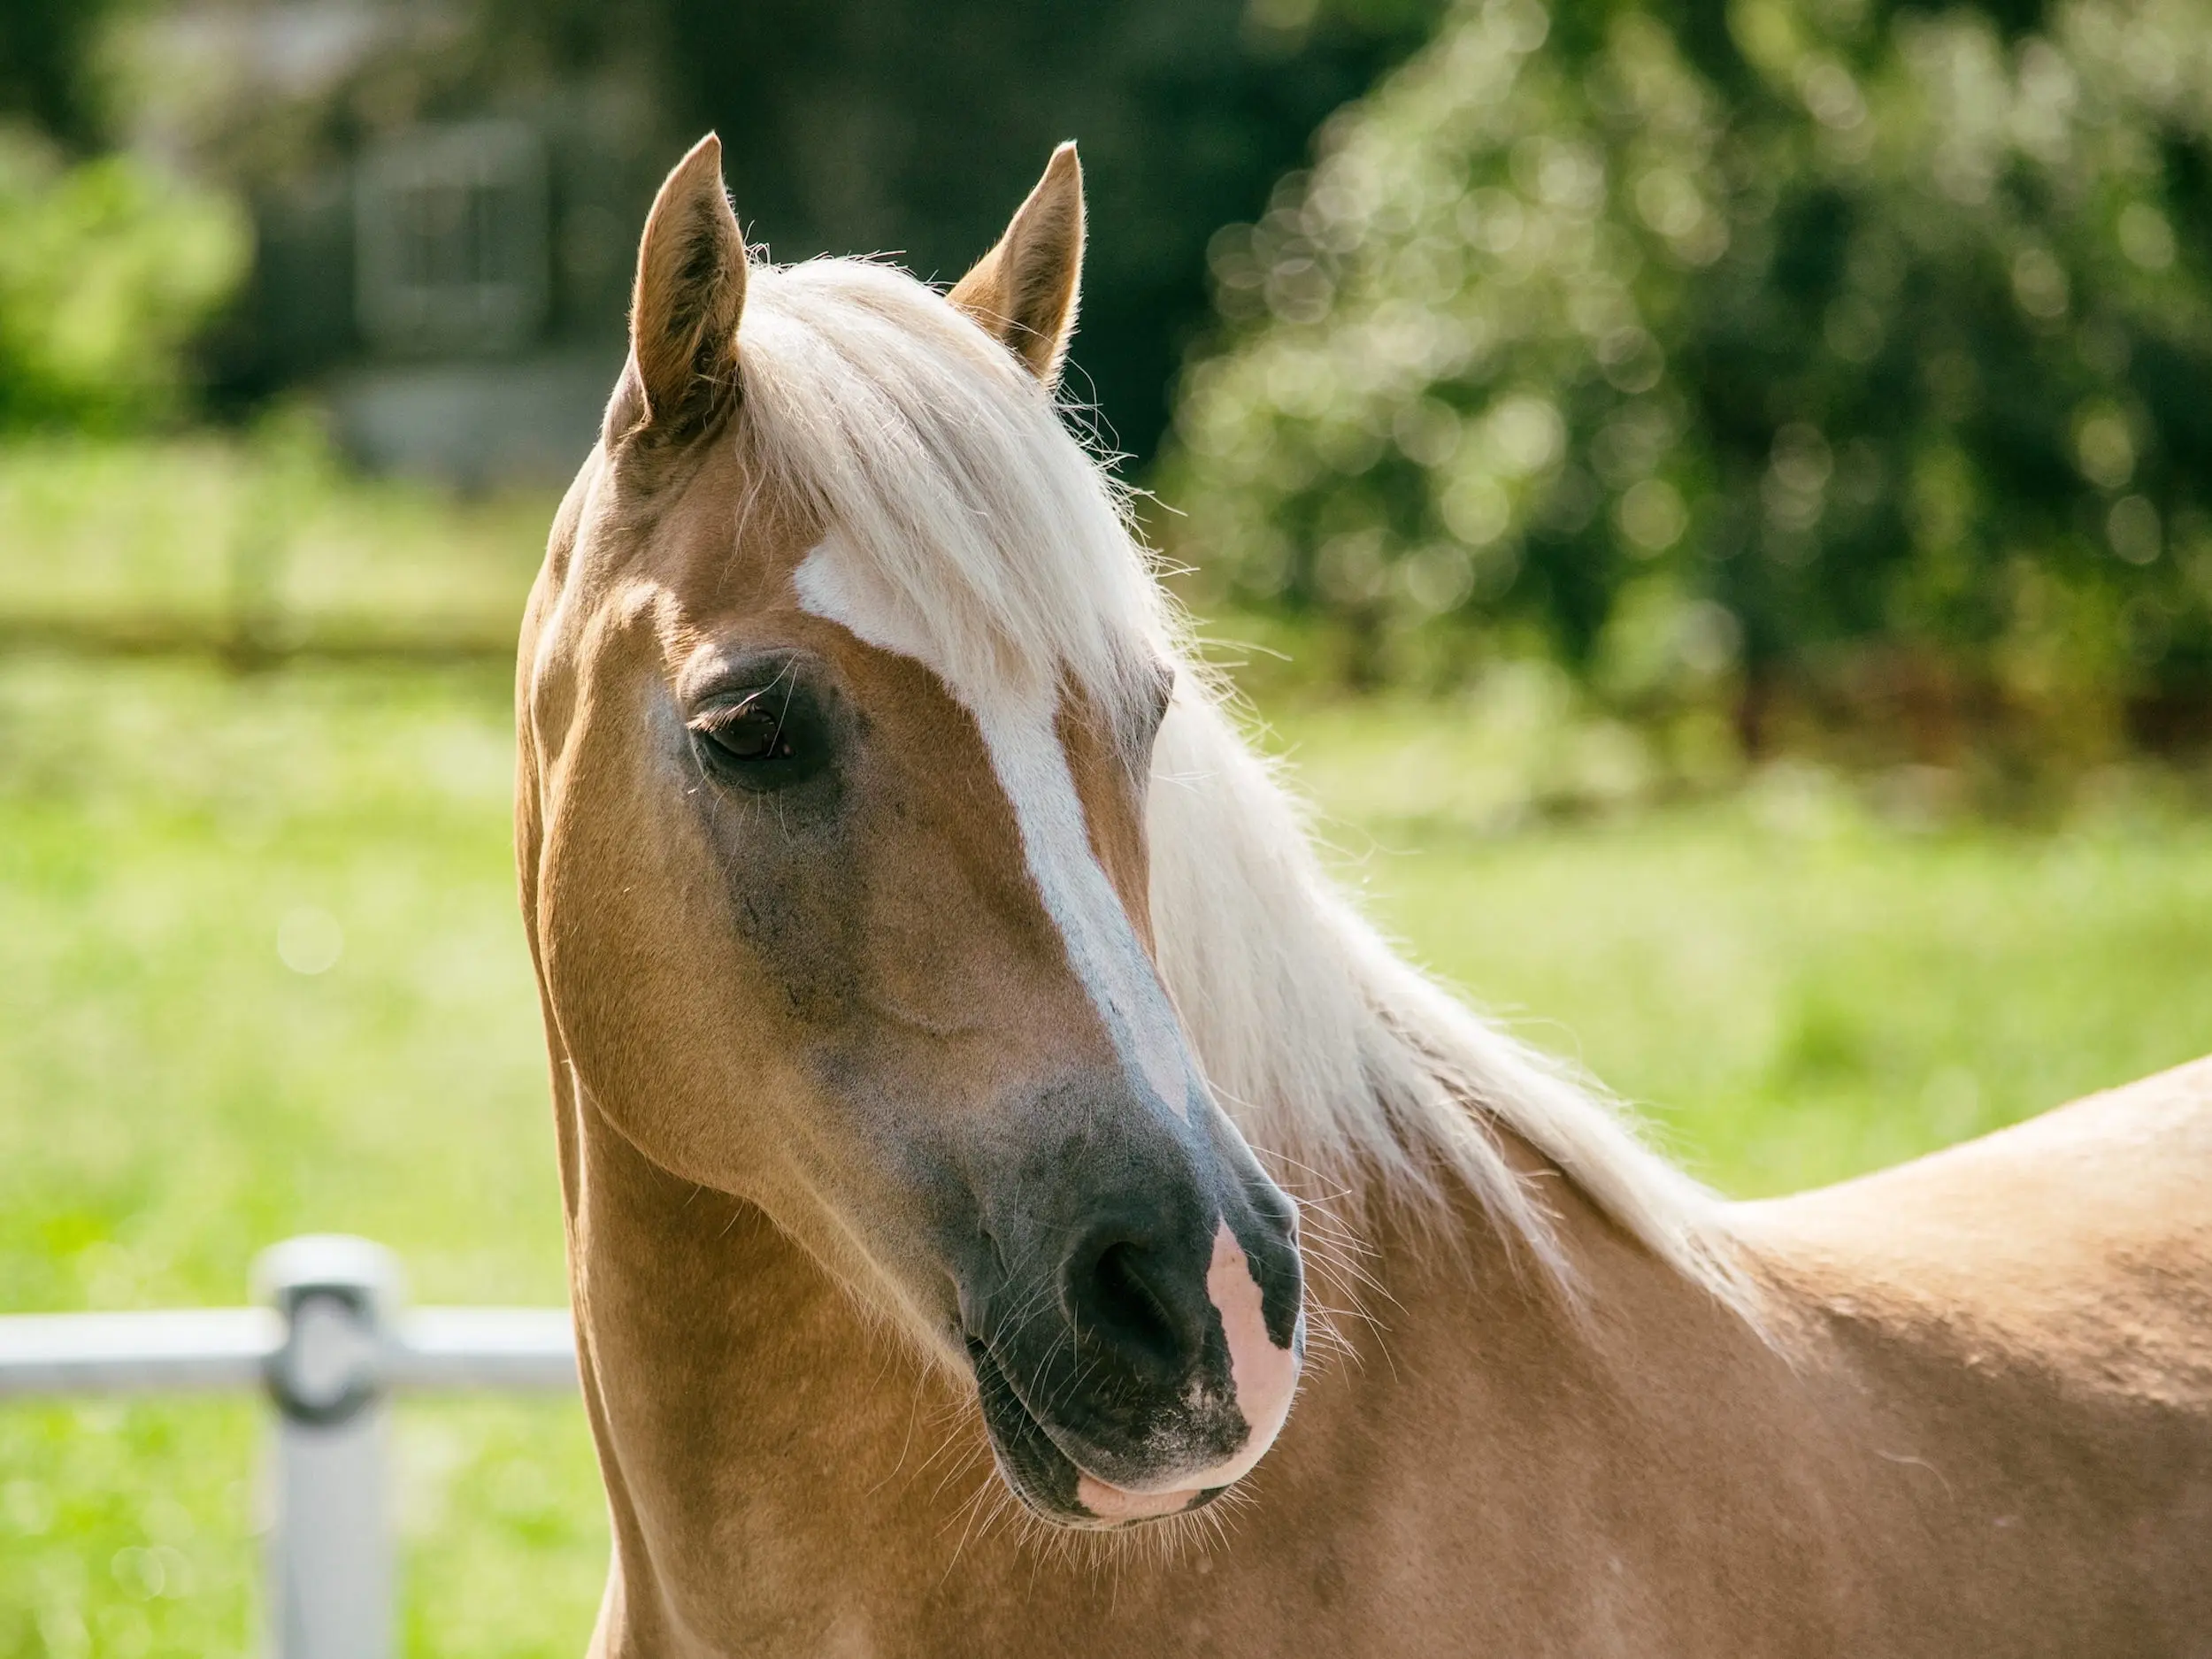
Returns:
(1005, 552)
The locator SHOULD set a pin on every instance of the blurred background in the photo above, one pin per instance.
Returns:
(1714, 497)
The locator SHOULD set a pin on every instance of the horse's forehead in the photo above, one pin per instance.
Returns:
(832, 581)
(730, 536)
(1079, 838)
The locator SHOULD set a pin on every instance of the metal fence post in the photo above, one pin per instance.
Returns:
(331, 1581)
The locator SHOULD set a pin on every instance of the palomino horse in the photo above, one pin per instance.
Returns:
(923, 954)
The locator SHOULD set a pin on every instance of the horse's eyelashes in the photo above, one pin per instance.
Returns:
(765, 740)
(752, 731)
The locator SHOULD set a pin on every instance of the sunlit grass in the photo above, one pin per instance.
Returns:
(173, 1096)
(209, 534)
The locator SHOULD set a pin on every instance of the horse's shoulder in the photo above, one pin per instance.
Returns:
(2085, 1232)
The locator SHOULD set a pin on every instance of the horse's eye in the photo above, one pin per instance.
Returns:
(751, 732)
(769, 737)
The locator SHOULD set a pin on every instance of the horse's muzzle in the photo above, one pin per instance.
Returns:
(1151, 1364)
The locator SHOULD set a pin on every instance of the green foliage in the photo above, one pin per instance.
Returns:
(107, 269)
(47, 49)
(1833, 346)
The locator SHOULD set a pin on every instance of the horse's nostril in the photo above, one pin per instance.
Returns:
(1122, 1294)
(1126, 1299)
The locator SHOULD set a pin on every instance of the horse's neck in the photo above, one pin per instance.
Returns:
(763, 1442)
(787, 1477)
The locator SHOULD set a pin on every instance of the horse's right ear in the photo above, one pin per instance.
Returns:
(684, 310)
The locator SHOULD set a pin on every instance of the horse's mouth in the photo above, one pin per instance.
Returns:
(1049, 1482)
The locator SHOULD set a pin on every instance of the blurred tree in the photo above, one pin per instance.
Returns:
(46, 54)
(107, 270)
(1793, 344)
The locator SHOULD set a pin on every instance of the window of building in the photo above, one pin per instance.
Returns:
(450, 245)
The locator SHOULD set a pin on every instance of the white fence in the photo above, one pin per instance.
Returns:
(330, 1345)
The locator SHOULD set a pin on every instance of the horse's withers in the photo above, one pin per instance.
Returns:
(856, 931)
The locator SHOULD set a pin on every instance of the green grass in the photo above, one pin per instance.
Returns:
(205, 534)
(174, 1097)
(1799, 988)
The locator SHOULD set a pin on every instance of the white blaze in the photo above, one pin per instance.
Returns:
(1021, 735)
(1023, 742)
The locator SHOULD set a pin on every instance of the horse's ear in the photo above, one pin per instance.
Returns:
(690, 291)
(1024, 290)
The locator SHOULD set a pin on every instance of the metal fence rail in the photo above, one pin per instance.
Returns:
(331, 1344)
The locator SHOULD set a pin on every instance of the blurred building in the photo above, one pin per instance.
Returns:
(448, 192)
(444, 239)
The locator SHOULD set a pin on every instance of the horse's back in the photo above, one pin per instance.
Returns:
(2085, 1234)
(2089, 1227)
(2021, 1328)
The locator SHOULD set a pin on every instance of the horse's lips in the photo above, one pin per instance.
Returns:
(1263, 1377)
(1110, 1503)
(1100, 1499)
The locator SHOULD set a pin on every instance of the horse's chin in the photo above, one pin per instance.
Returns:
(1050, 1483)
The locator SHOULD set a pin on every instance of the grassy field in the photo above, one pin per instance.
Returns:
(173, 1096)
(263, 976)
(207, 536)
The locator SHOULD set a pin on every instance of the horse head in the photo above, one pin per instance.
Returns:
(839, 710)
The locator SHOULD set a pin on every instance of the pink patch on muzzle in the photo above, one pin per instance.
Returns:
(1263, 1376)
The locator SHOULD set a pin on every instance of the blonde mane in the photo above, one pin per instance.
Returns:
(1007, 546)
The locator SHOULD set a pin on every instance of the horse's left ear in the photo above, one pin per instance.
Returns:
(1024, 290)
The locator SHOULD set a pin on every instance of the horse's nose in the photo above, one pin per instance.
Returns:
(1138, 1294)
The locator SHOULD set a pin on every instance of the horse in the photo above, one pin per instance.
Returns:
(1016, 1203)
